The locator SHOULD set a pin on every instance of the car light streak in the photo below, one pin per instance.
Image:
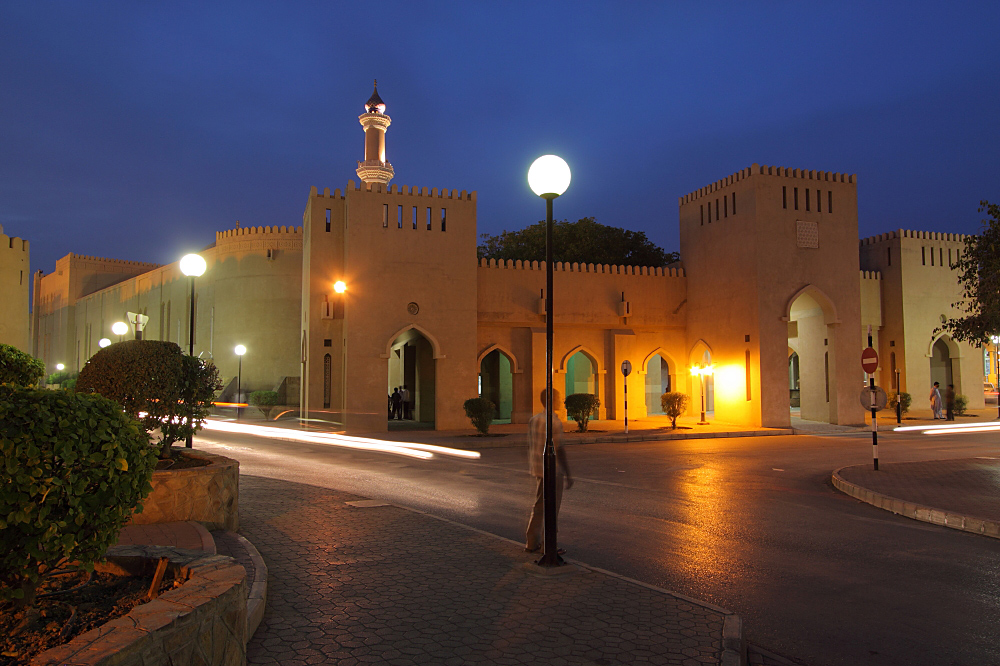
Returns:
(413, 450)
(951, 428)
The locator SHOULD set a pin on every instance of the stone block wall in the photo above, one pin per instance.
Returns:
(209, 494)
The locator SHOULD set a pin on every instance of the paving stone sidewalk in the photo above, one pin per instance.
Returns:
(962, 493)
(382, 584)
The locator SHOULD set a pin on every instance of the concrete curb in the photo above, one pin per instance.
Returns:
(256, 588)
(942, 517)
(734, 647)
(207, 542)
(665, 437)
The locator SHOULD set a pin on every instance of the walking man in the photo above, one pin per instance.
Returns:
(536, 465)
(404, 394)
(936, 400)
(949, 402)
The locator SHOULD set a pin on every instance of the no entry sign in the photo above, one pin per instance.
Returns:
(869, 360)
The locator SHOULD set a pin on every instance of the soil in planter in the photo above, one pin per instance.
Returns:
(47, 624)
(179, 461)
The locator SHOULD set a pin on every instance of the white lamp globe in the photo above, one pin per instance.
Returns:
(119, 328)
(103, 342)
(240, 350)
(549, 174)
(339, 286)
(193, 265)
(60, 366)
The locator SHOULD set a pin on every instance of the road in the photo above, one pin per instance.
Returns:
(751, 524)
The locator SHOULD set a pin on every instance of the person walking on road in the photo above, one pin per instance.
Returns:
(936, 401)
(949, 402)
(536, 466)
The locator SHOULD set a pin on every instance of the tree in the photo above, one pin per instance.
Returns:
(481, 412)
(580, 407)
(264, 401)
(979, 266)
(155, 383)
(18, 368)
(583, 241)
(674, 404)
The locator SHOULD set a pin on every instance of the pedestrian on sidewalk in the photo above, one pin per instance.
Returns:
(949, 401)
(536, 466)
(936, 400)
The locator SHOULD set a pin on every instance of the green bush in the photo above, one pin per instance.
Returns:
(961, 404)
(63, 378)
(481, 412)
(674, 404)
(156, 384)
(73, 469)
(904, 399)
(580, 407)
(18, 368)
(264, 401)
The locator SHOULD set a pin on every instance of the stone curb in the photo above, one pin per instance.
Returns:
(664, 437)
(942, 517)
(734, 649)
(207, 542)
(257, 588)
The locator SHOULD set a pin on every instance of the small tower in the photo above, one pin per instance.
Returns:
(375, 169)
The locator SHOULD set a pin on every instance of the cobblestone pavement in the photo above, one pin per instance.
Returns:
(969, 486)
(381, 584)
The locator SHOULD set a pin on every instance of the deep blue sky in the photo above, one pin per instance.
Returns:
(136, 130)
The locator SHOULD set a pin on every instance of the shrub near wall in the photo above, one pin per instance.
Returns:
(18, 368)
(73, 469)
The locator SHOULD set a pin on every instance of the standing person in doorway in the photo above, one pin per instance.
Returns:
(397, 405)
(936, 401)
(949, 402)
(536, 465)
(404, 394)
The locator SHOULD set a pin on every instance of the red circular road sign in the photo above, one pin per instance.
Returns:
(869, 360)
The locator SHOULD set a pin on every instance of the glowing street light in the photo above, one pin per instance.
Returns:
(60, 366)
(339, 286)
(119, 328)
(192, 265)
(701, 371)
(103, 342)
(549, 177)
(240, 350)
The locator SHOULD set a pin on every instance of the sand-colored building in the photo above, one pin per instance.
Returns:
(771, 293)
(14, 280)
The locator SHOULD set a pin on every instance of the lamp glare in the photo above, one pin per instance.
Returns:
(103, 342)
(119, 328)
(240, 350)
(549, 174)
(60, 366)
(339, 286)
(193, 265)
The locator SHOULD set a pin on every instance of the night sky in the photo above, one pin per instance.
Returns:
(136, 131)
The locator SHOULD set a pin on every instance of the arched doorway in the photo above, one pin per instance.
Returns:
(496, 384)
(811, 337)
(941, 369)
(411, 365)
(657, 383)
(581, 374)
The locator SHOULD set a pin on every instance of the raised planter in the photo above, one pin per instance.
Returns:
(201, 622)
(209, 494)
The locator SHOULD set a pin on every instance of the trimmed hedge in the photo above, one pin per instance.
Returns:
(481, 412)
(18, 368)
(264, 401)
(904, 399)
(73, 469)
(172, 392)
(580, 407)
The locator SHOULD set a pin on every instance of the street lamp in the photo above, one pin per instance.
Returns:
(192, 265)
(60, 366)
(103, 342)
(701, 371)
(119, 328)
(240, 350)
(339, 286)
(548, 177)
(996, 357)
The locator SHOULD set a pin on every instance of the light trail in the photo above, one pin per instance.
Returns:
(410, 449)
(951, 428)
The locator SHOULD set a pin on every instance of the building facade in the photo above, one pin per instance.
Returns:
(14, 280)
(381, 287)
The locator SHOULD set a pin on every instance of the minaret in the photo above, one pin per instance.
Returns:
(375, 169)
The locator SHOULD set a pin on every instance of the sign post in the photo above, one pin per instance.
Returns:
(869, 363)
(626, 369)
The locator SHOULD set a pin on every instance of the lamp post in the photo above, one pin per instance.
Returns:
(701, 371)
(240, 350)
(192, 265)
(119, 328)
(996, 366)
(548, 177)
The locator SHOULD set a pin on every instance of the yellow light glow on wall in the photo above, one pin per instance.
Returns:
(339, 286)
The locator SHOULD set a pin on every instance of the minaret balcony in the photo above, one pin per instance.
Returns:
(375, 171)
(377, 120)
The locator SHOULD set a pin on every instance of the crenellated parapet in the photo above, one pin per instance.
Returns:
(906, 233)
(764, 170)
(259, 239)
(13, 243)
(871, 275)
(117, 264)
(574, 267)
(400, 190)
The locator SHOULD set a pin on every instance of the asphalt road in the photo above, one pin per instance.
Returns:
(751, 524)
